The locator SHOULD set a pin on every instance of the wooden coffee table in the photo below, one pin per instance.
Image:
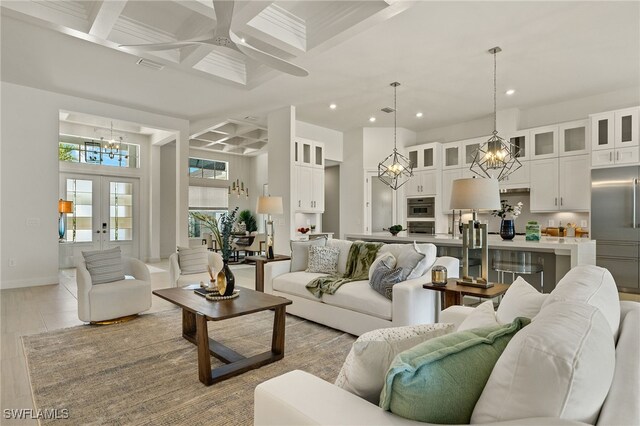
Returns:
(196, 311)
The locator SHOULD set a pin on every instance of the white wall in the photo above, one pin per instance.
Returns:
(29, 176)
(333, 139)
(168, 200)
(260, 166)
(352, 184)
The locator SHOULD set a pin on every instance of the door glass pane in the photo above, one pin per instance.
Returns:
(451, 157)
(574, 139)
(519, 145)
(318, 156)
(603, 132)
(428, 157)
(626, 129)
(470, 152)
(382, 205)
(80, 222)
(413, 159)
(306, 153)
(544, 143)
(295, 152)
(121, 211)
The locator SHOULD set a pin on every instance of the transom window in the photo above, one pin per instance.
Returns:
(212, 202)
(90, 151)
(208, 169)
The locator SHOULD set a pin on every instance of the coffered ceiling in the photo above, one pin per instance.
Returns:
(552, 52)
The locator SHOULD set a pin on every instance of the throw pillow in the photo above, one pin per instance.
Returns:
(104, 266)
(192, 260)
(429, 251)
(440, 380)
(384, 278)
(386, 258)
(560, 366)
(364, 369)
(520, 300)
(592, 285)
(482, 316)
(408, 260)
(300, 253)
(323, 260)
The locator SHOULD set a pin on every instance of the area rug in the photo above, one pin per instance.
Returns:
(144, 373)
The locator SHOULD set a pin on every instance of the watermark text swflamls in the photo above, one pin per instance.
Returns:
(34, 414)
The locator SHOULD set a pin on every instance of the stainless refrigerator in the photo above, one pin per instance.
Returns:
(615, 223)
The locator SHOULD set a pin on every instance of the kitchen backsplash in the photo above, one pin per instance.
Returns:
(526, 215)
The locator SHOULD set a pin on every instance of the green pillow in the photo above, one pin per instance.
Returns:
(440, 380)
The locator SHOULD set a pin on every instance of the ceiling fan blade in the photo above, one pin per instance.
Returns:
(224, 14)
(161, 46)
(268, 59)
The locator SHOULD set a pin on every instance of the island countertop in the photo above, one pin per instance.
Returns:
(581, 251)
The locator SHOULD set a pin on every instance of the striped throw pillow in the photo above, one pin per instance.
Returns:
(104, 266)
(192, 260)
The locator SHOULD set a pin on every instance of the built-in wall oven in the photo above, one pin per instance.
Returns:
(421, 227)
(421, 208)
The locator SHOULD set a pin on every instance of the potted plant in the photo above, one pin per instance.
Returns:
(249, 220)
(508, 215)
(395, 229)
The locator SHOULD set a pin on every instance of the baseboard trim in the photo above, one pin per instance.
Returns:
(29, 282)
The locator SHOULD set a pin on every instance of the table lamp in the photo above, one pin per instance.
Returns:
(269, 205)
(475, 194)
(63, 207)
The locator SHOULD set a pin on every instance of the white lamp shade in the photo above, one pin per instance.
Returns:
(475, 194)
(269, 205)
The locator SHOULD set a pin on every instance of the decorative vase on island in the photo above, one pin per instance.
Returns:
(507, 229)
(226, 280)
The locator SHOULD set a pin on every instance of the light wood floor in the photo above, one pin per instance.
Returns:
(38, 309)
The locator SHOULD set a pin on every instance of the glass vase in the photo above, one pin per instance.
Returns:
(507, 229)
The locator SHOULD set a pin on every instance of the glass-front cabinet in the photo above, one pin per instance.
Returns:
(615, 129)
(308, 153)
(520, 144)
(424, 156)
(544, 142)
(469, 149)
(452, 155)
(574, 138)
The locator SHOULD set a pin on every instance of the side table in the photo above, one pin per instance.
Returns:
(260, 261)
(453, 292)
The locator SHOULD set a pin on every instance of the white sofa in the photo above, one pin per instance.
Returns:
(356, 308)
(285, 400)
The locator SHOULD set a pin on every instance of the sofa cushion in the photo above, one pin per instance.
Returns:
(295, 282)
(104, 266)
(192, 260)
(360, 297)
(323, 260)
(593, 285)
(384, 278)
(364, 369)
(386, 258)
(559, 366)
(482, 316)
(300, 253)
(409, 259)
(184, 280)
(440, 380)
(409, 250)
(520, 300)
(344, 247)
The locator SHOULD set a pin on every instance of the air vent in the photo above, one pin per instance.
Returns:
(150, 64)
(388, 110)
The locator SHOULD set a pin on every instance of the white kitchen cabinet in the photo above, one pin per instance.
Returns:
(451, 155)
(614, 130)
(424, 156)
(469, 148)
(422, 183)
(309, 189)
(309, 153)
(520, 144)
(602, 131)
(574, 138)
(448, 176)
(544, 141)
(560, 184)
(615, 157)
(519, 178)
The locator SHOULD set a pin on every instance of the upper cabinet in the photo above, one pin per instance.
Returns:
(574, 137)
(452, 155)
(309, 153)
(425, 156)
(469, 149)
(520, 144)
(544, 142)
(614, 137)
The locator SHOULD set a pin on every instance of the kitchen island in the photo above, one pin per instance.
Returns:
(557, 255)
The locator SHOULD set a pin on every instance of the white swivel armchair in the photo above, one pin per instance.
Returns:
(178, 279)
(114, 300)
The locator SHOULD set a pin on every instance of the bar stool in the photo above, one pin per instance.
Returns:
(517, 262)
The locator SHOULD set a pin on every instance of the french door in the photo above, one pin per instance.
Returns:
(105, 213)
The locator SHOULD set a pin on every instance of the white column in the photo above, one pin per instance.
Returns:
(182, 189)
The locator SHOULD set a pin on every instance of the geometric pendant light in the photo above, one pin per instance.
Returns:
(496, 157)
(396, 169)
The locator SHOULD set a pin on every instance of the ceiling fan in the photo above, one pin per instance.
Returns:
(222, 36)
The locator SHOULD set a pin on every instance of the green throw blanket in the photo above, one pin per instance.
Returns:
(361, 256)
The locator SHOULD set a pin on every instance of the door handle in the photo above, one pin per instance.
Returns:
(298, 203)
(561, 201)
(634, 225)
(617, 155)
(610, 156)
(555, 203)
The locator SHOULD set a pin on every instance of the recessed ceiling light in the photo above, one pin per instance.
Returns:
(419, 114)
(242, 39)
(510, 92)
(372, 119)
(333, 106)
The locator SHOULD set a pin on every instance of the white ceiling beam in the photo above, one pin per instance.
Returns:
(199, 7)
(104, 16)
(245, 11)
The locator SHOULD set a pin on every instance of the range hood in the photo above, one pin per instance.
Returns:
(515, 190)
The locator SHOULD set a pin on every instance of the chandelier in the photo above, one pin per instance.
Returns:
(496, 156)
(396, 169)
(112, 146)
(239, 189)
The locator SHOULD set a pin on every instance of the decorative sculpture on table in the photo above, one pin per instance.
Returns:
(225, 279)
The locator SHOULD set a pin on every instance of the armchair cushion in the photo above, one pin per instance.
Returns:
(104, 266)
(371, 355)
(192, 260)
(520, 300)
(482, 316)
